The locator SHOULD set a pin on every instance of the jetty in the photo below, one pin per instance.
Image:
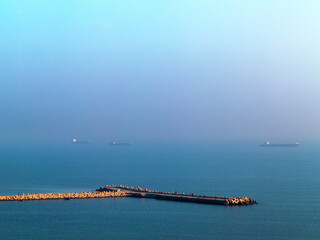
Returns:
(175, 196)
(113, 191)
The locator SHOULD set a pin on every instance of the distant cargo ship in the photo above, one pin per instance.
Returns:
(268, 144)
(80, 141)
(121, 144)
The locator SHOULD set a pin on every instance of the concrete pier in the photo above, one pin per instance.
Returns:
(145, 193)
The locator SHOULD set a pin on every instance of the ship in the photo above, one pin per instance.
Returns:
(268, 144)
(74, 140)
(114, 143)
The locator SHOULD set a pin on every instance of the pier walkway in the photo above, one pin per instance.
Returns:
(145, 193)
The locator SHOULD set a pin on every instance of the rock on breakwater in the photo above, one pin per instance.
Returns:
(55, 196)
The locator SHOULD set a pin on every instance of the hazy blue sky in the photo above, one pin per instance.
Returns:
(160, 69)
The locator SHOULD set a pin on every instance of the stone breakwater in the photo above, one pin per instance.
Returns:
(112, 191)
(175, 196)
(66, 196)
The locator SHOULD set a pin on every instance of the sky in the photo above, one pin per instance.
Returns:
(160, 70)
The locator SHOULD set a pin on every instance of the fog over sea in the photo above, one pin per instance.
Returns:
(196, 85)
(285, 182)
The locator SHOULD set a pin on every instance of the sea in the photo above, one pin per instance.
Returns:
(285, 181)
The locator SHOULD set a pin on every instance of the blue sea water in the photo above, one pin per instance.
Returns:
(285, 182)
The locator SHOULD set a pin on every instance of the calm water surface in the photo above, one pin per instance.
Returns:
(285, 182)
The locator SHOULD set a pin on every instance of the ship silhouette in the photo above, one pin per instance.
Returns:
(268, 144)
(114, 143)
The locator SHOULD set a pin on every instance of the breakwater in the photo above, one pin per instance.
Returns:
(180, 197)
(112, 191)
(66, 196)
